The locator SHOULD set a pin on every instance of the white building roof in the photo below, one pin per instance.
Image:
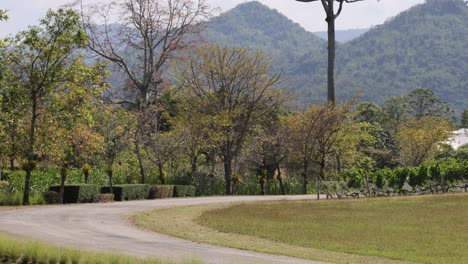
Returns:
(459, 138)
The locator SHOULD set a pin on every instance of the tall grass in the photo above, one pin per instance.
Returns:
(16, 251)
(16, 198)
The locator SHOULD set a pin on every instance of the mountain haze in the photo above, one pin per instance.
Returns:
(343, 35)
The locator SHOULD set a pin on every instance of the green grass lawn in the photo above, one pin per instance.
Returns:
(428, 229)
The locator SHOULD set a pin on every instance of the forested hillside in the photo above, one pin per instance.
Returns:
(254, 25)
(425, 46)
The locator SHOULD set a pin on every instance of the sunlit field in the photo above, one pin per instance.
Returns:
(423, 229)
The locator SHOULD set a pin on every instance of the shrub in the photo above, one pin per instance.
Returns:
(16, 198)
(104, 198)
(184, 190)
(79, 193)
(127, 192)
(3, 186)
(161, 191)
(51, 197)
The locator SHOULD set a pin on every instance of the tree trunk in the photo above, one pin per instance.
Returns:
(62, 189)
(304, 183)
(161, 173)
(194, 168)
(140, 161)
(331, 53)
(111, 189)
(86, 177)
(366, 178)
(32, 141)
(280, 180)
(228, 173)
(319, 178)
(13, 150)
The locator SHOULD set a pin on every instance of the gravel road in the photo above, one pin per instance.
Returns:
(105, 227)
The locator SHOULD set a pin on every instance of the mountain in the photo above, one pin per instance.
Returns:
(343, 35)
(256, 26)
(425, 46)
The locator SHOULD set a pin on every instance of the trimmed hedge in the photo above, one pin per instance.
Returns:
(127, 192)
(184, 190)
(161, 191)
(104, 198)
(51, 197)
(78, 193)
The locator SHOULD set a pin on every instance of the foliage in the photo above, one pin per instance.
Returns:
(418, 139)
(4, 186)
(231, 110)
(80, 193)
(161, 191)
(184, 190)
(127, 192)
(15, 198)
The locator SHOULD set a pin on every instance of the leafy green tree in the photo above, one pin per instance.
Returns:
(114, 124)
(423, 102)
(233, 88)
(369, 112)
(70, 137)
(320, 134)
(396, 111)
(42, 61)
(418, 139)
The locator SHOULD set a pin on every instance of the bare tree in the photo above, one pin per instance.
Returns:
(140, 37)
(331, 15)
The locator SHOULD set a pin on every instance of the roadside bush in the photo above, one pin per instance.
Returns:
(127, 192)
(79, 193)
(104, 198)
(161, 191)
(51, 197)
(184, 190)
(3, 186)
(16, 198)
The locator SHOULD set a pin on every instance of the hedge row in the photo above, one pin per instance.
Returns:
(127, 192)
(84, 193)
(161, 191)
(78, 193)
(184, 191)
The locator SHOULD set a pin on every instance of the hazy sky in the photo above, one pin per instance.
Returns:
(310, 15)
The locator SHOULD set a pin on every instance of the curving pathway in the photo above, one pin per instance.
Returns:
(105, 227)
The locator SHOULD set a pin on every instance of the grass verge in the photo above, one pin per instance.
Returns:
(19, 251)
(186, 223)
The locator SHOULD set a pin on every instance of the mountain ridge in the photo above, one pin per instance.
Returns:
(424, 46)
